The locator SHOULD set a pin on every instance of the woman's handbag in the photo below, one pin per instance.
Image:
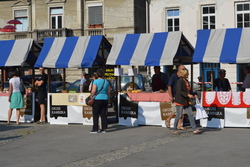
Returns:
(22, 88)
(91, 99)
(191, 101)
(200, 112)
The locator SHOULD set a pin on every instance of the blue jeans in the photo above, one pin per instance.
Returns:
(189, 111)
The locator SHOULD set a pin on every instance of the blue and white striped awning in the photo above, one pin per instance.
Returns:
(14, 52)
(69, 52)
(223, 46)
(154, 49)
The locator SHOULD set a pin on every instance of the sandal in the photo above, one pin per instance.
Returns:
(168, 123)
(181, 128)
(176, 133)
(197, 131)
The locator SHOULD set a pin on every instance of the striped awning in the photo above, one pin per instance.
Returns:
(223, 46)
(69, 52)
(154, 49)
(14, 52)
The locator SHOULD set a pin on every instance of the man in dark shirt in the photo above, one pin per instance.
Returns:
(159, 80)
(221, 83)
(41, 83)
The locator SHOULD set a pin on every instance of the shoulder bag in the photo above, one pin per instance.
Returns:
(22, 88)
(91, 99)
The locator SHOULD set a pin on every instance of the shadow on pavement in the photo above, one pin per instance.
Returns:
(4, 127)
(10, 137)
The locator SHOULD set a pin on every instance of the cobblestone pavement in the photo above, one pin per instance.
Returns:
(13, 132)
(29, 145)
(125, 152)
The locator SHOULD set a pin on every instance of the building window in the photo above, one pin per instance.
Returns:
(56, 16)
(21, 15)
(208, 17)
(95, 16)
(173, 20)
(243, 14)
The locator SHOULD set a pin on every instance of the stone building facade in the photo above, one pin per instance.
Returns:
(190, 16)
(64, 18)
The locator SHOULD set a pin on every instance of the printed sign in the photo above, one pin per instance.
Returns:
(166, 109)
(215, 112)
(71, 99)
(87, 112)
(58, 110)
(109, 73)
(128, 108)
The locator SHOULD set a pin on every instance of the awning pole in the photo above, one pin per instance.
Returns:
(133, 79)
(2, 78)
(202, 77)
(33, 79)
(212, 77)
(49, 79)
(64, 78)
(118, 82)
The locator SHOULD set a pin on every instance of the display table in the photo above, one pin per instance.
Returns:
(65, 108)
(143, 109)
(26, 113)
(226, 109)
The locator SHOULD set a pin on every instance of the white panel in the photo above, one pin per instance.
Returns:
(149, 114)
(236, 117)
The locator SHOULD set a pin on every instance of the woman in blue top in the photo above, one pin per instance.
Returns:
(100, 105)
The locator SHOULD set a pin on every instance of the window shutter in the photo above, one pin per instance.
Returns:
(21, 13)
(95, 15)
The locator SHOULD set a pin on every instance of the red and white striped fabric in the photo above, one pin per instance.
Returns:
(226, 99)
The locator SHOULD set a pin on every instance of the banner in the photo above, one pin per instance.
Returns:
(215, 112)
(166, 109)
(128, 108)
(87, 112)
(57, 110)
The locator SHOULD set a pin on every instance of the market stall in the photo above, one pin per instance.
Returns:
(72, 52)
(20, 54)
(154, 49)
(225, 109)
